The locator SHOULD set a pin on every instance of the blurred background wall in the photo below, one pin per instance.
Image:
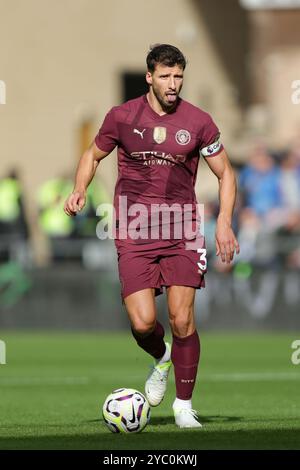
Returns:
(65, 64)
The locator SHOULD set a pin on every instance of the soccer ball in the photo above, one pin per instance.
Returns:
(126, 410)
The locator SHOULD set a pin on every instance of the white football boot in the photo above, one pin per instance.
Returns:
(186, 418)
(156, 383)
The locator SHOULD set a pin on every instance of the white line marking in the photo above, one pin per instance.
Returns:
(251, 377)
(230, 377)
(21, 381)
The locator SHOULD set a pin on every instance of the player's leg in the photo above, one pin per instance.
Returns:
(147, 331)
(185, 352)
(149, 335)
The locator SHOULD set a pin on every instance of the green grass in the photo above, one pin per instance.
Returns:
(53, 386)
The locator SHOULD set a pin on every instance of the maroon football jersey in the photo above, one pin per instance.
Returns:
(157, 155)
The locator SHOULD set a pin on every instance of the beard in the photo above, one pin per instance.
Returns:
(165, 104)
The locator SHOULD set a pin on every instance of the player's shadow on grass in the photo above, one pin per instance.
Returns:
(276, 438)
(220, 419)
(166, 420)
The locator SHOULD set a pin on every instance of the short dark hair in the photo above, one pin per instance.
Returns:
(164, 54)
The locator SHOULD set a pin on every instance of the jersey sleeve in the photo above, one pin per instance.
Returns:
(210, 146)
(107, 137)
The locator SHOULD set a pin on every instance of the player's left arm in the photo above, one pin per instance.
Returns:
(226, 242)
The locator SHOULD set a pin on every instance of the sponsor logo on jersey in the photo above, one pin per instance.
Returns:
(159, 134)
(183, 137)
(149, 154)
(211, 149)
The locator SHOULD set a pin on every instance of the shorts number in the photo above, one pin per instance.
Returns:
(202, 263)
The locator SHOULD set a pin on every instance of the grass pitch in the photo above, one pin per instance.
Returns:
(53, 386)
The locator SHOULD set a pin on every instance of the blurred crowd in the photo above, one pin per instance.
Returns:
(267, 215)
(62, 232)
(266, 218)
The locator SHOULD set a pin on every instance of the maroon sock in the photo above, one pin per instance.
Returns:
(185, 357)
(154, 342)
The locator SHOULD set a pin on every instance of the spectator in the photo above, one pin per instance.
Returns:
(290, 195)
(13, 224)
(259, 183)
(260, 189)
(53, 222)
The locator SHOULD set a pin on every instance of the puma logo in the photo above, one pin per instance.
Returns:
(141, 133)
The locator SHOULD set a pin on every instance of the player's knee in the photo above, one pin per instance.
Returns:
(142, 328)
(181, 323)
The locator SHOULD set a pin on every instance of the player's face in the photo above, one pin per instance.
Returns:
(166, 83)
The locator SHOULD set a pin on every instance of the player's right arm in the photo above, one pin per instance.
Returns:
(85, 172)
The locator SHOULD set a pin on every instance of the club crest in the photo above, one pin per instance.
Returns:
(183, 137)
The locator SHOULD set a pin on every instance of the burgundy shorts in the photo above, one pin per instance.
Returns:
(170, 263)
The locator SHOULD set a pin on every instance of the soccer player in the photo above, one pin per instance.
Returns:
(160, 138)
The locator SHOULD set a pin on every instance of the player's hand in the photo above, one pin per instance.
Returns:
(75, 202)
(226, 243)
